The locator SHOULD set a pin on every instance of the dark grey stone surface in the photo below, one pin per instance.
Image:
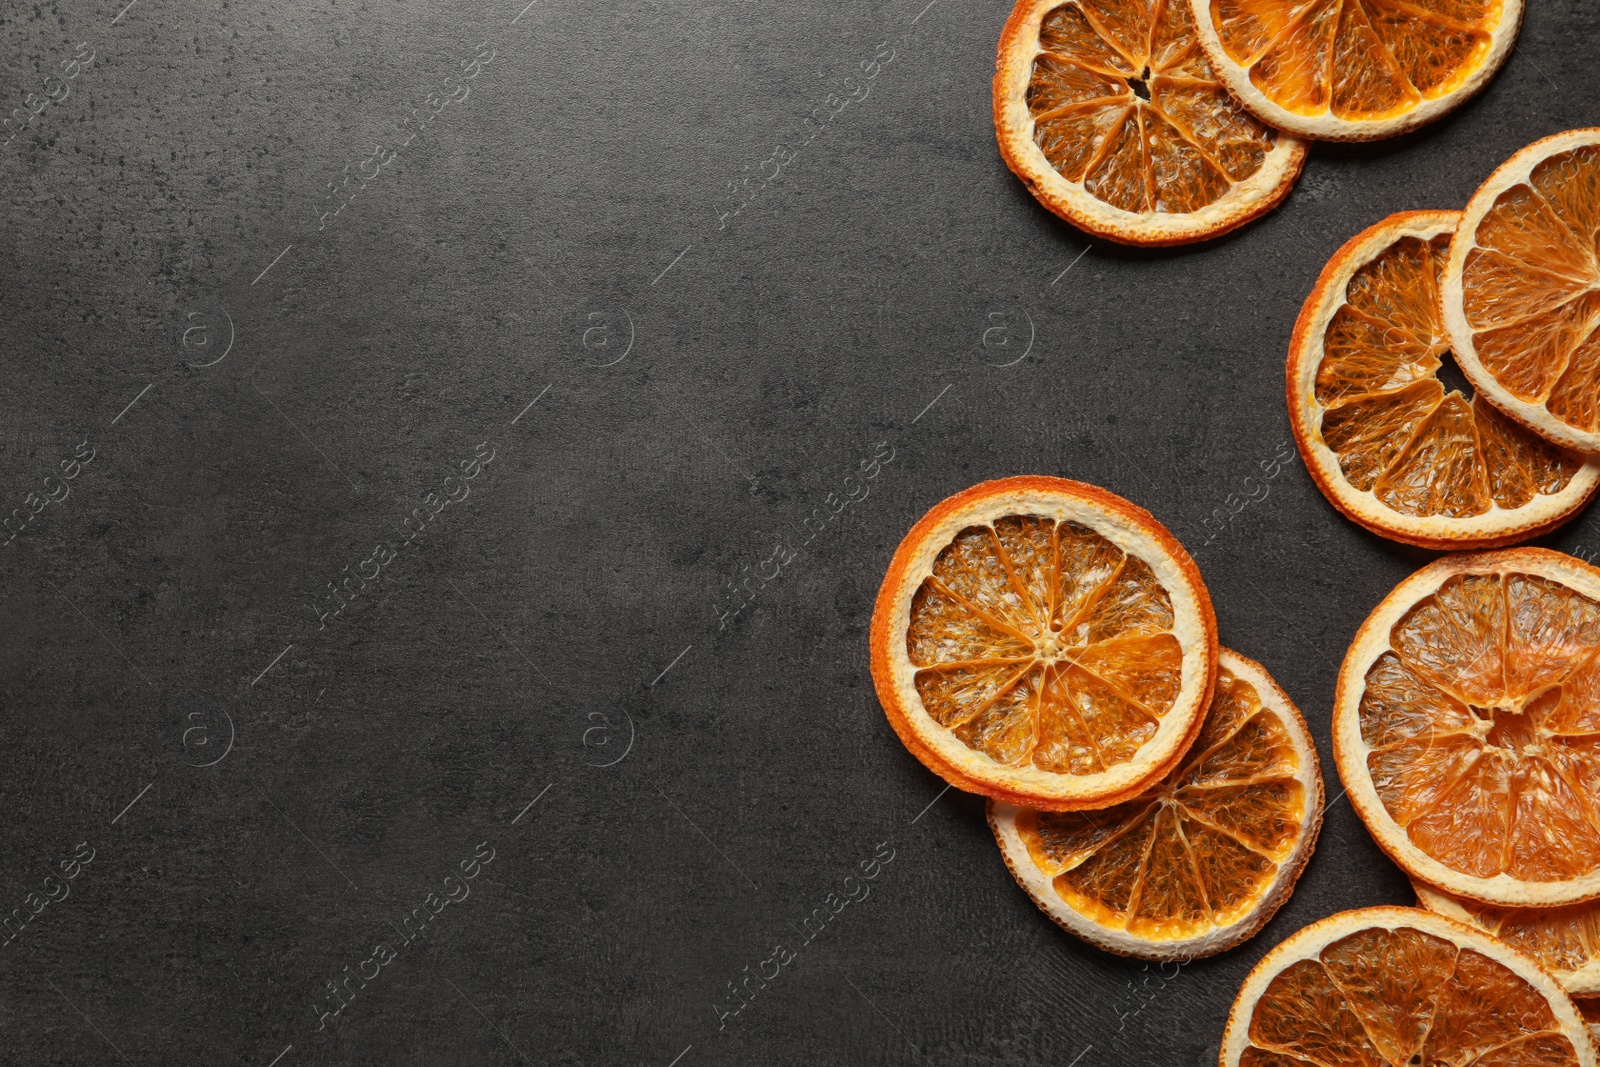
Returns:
(552, 638)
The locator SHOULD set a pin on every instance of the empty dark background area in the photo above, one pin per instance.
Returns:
(699, 782)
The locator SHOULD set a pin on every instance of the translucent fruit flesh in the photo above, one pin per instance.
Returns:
(1195, 853)
(1355, 59)
(1387, 417)
(1043, 644)
(1125, 103)
(1531, 288)
(1392, 998)
(1483, 727)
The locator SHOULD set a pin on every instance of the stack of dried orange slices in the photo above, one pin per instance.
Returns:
(1466, 728)
(1159, 122)
(1053, 647)
(1369, 366)
(1466, 724)
(1503, 298)
(1050, 645)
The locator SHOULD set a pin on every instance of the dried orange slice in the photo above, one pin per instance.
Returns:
(1466, 726)
(1521, 289)
(1392, 987)
(1110, 114)
(1564, 941)
(1355, 70)
(1045, 642)
(1202, 860)
(1380, 435)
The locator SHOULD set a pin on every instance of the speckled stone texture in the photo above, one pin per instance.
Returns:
(332, 605)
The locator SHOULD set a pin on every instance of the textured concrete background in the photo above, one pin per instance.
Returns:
(268, 390)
